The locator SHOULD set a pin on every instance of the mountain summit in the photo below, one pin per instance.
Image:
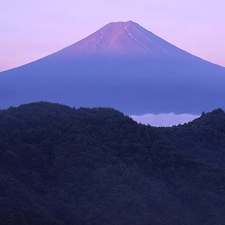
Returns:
(121, 38)
(123, 66)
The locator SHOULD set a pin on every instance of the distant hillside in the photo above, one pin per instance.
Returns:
(61, 165)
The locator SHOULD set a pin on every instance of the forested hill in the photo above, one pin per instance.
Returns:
(60, 165)
(203, 138)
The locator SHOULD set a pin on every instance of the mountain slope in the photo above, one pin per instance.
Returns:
(202, 138)
(123, 66)
(62, 165)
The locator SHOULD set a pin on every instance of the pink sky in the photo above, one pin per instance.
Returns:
(34, 29)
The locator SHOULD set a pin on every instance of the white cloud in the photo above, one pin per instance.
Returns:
(163, 119)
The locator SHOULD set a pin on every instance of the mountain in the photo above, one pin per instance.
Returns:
(125, 39)
(123, 66)
(61, 165)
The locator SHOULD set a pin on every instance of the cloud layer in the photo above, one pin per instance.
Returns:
(165, 120)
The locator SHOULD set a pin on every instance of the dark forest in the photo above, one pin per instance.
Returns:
(61, 165)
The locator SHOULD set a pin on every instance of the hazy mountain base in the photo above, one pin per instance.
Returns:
(60, 165)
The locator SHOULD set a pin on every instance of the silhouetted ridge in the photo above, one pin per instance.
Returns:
(202, 138)
(61, 165)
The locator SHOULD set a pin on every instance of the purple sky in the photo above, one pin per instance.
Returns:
(33, 29)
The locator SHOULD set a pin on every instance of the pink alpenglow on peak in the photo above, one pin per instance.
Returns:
(121, 38)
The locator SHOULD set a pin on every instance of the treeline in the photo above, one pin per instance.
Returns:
(61, 165)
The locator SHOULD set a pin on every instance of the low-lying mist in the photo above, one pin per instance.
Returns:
(164, 119)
